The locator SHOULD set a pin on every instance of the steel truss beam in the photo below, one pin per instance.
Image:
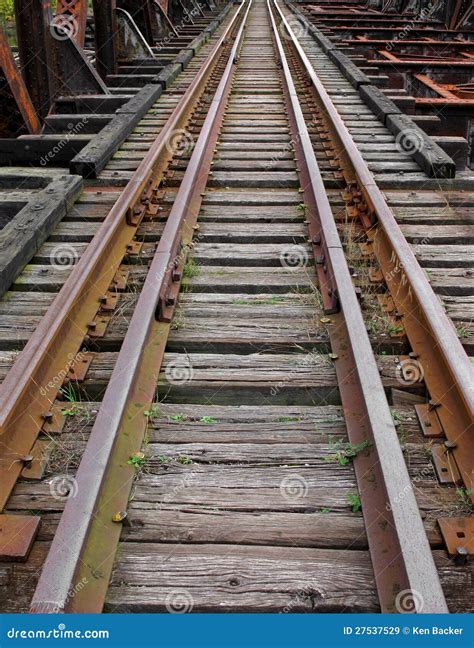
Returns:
(33, 18)
(17, 113)
(144, 15)
(71, 15)
(106, 36)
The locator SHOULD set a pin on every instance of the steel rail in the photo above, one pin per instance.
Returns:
(447, 370)
(399, 548)
(104, 479)
(32, 385)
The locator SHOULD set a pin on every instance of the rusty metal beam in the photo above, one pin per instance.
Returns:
(467, 15)
(104, 484)
(447, 370)
(143, 13)
(32, 18)
(56, 341)
(164, 23)
(106, 36)
(453, 15)
(71, 15)
(399, 548)
(17, 113)
(70, 71)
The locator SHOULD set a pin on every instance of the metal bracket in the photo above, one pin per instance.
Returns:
(135, 214)
(132, 45)
(72, 16)
(134, 248)
(54, 421)
(119, 282)
(71, 72)
(35, 469)
(458, 536)
(169, 292)
(17, 534)
(98, 327)
(445, 465)
(108, 302)
(375, 275)
(80, 367)
(429, 421)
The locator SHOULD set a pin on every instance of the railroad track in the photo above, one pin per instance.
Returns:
(238, 431)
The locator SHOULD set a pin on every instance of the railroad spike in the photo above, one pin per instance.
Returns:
(462, 556)
(27, 460)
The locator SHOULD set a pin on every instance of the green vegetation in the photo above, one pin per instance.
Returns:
(274, 299)
(354, 502)
(345, 453)
(153, 411)
(462, 331)
(184, 460)
(6, 10)
(137, 460)
(207, 419)
(178, 417)
(464, 497)
(191, 268)
(164, 459)
(69, 393)
(70, 411)
(399, 426)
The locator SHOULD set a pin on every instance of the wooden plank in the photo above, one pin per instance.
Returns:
(269, 582)
(273, 580)
(21, 238)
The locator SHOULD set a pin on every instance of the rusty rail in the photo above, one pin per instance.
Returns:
(447, 370)
(31, 385)
(104, 479)
(399, 548)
